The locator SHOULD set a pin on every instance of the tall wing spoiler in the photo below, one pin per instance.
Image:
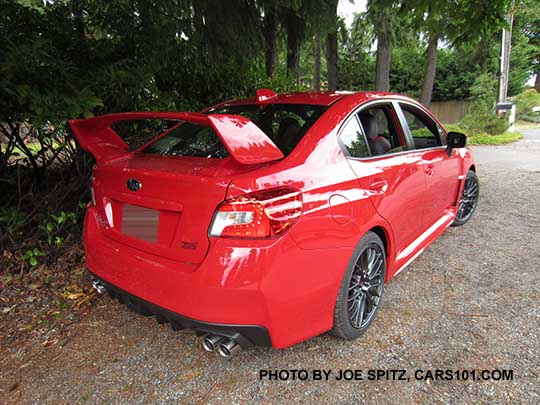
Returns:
(244, 140)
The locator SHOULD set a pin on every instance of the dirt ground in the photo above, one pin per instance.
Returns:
(471, 301)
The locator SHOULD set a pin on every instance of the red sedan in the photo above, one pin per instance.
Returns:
(270, 220)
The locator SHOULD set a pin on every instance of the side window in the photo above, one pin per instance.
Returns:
(378, 125)
(424, 131)
(353, 139)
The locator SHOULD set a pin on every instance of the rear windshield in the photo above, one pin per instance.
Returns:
(285, 124)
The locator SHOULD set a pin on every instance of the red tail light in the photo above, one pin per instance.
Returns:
(261, 214)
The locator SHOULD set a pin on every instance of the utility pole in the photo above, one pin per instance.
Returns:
(506, 48)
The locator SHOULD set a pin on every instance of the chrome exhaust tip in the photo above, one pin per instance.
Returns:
(211, 342)
(99, 287)
(227, 348)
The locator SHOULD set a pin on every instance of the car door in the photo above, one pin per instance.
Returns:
(394, 180)
(441, 171)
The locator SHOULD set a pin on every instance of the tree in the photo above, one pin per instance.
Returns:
(430, 69)
(332, 48)
(459, 21)
(528, 20)
(270, 27)
(382, 14)
(356, 63)
(317, 62)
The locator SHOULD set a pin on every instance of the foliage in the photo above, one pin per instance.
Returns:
(355, 62)
(481, 117)
(483, 138)
(524, 104)
(57, 226)
(499, 139)
(528, 22)
(32, 256)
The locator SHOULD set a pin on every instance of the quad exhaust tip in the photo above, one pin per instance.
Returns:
(225, 347)
(228, 348)
(210, 342)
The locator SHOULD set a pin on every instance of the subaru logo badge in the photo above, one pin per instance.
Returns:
(134, 185)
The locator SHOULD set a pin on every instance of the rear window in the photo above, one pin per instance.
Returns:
(187, 139)
(284, 124)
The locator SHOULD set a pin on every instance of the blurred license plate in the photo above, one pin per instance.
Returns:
(141, 223)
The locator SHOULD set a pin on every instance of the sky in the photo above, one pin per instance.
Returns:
(347, 8)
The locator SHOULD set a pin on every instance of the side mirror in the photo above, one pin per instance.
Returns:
(455, 140)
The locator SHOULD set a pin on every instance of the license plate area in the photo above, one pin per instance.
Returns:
(140, 222)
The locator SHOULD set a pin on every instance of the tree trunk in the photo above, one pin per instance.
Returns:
(384, 52)
(331, 51)
(270, 31)
(537, 82)
(294, 25)
(331, 60)
(317, 62)
(431, 68)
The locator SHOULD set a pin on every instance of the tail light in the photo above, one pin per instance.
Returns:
(261, 214)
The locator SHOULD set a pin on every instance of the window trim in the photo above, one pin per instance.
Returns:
(355, 112)
(407, 130)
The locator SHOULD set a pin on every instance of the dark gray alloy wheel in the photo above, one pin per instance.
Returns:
(361, 289)
(469, 199)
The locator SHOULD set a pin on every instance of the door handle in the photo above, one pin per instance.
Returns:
(378, 187)
(430, 170)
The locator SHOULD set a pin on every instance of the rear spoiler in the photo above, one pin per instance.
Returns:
(244, 140)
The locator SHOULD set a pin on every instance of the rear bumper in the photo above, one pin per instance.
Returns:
(267, 291)
(244, 335)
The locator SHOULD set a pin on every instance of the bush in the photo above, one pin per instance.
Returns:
(481, 117)
(525, 102)
(482, 138)
(484, 122)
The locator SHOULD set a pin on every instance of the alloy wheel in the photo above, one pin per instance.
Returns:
(469, 199)
(365, 287)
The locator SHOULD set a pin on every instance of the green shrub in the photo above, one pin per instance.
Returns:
(31, 256)
(481, 117)
(484, 121)
(482, 138)
(525, 102)
(530, 117)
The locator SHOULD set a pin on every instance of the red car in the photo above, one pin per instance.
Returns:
(270, 220)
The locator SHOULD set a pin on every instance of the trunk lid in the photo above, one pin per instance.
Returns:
(164, 205)
(170, 211)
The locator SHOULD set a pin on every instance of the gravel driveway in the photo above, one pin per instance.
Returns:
(471, 301)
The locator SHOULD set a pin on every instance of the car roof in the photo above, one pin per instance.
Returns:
(325, 98)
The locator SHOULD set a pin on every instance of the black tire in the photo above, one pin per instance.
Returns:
(360, 283)
(469, 199)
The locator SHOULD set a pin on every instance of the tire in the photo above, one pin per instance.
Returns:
(360, 280)
(469, 199)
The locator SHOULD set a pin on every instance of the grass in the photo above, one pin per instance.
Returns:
(520, 124)
(484, 138)
(500, 139)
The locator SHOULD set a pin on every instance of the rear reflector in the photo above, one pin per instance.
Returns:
(261, 214)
